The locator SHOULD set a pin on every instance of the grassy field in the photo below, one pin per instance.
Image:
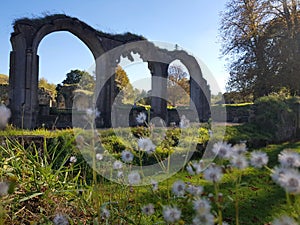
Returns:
(51, 183)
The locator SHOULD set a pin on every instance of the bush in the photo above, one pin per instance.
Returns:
(277, 115)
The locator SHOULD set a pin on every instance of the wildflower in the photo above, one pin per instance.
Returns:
(141, 118)
(207, 219)
(127, 156)
(79, 139)
(120, 174)
(171, 214)
(199, 167)
(239, 161)
(284, 220)
(154, 184)
(194, 190)
(184, 122)
(5, 114)
(145, 144)
(99, 156)
(190, 170)
(4, 188)
(222, 149)
(148, 209)
(289, 158)
(277, 173)
(213, 173)
(117, 165)
(290, 181)
(60, 219)
(178, 188)
(105, 213)
(239, 149)
(201, 206)
(134, 178)
(259, 159)
(73, 159)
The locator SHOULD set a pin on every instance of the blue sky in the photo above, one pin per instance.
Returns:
(193, 25)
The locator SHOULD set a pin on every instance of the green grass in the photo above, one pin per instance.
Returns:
(47, 184)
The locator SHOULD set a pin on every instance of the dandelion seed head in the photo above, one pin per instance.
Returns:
(60, 219)
(4, 188)
(290, 181)
(239, 161)
(213, 173)
(117, 165)
(141, 118)
(134, 178)
(289, 158)
(105, 213)
(145, 144)
(73, 159)
(126, 156)
(154, 184)
(120, 174)
(201, 206)
(171, 214)
(207, 219)
(258, 159)
(5, 114)
(99, 156)
(194, 190)
(190, 170)
(222, 149)
(178, 188)
(148, 209)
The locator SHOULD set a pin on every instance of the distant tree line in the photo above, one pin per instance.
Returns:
(261, 40)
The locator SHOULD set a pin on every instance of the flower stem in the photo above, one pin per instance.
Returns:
(237, 186)
(220, 217)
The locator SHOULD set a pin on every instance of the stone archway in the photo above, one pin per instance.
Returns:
(24, 65)
(158, 59)
(24, 61)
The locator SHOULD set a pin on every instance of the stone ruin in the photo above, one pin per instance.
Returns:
(31, 107)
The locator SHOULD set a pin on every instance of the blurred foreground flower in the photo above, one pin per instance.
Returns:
(4, 116)
(4, 188)
(141, 118)
(60, 219)
(171, 214)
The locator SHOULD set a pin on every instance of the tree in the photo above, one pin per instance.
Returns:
(178, 85)
(3, 79)
(50, 87)
(123, 86)
(261, 39)
(82, 78)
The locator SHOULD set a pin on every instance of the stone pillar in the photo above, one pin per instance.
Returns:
(17, 90)
(159, 96)
(104, 95)
(200, 100)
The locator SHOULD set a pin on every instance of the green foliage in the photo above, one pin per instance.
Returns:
(113, 144)
(277, 115)
(3, 79)
(50, 87)
(47, 183)
(83, 78)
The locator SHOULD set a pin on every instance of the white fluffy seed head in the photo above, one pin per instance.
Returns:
(258, 159)
(289, 158)
(171, 214)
